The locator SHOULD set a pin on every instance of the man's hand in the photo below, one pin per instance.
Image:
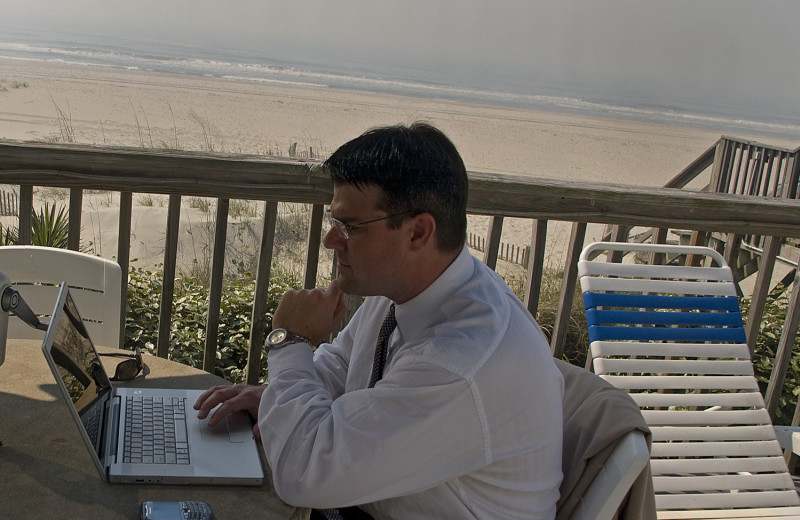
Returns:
(231, 399)
(311, 313)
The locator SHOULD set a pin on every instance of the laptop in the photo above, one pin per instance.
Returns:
(121, 425)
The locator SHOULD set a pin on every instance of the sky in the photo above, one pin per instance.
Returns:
(732, 51)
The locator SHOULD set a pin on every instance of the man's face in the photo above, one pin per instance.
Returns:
(370, 260)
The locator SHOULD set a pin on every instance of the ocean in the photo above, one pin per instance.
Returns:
(241, 63)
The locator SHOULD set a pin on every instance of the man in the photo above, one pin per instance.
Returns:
(464, 420)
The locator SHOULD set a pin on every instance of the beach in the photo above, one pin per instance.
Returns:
(113, 107)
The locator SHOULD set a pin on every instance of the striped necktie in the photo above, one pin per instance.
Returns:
(388, 326)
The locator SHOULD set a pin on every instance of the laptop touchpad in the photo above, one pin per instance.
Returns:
(239, 427)
(234, 428)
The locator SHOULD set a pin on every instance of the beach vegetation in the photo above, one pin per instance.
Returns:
(243, 209)
(174, 129)
(52, 193)
(188, 322)
(149, 200)
(205, 127)
(64, 120)
(100, 198)
(770, 330)
(203, 204)
(244, 237)
(4, 85)
(49, 228)
(139, 129)
(7, 236)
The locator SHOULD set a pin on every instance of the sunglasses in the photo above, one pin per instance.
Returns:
(128, 369)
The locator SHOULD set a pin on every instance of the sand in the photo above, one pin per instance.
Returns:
(52, 102)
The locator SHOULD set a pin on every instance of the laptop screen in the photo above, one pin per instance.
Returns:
(79, 367)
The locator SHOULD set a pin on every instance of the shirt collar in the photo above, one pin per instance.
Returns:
(422, 310)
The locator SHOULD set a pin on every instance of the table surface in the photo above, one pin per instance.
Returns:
(46, 471)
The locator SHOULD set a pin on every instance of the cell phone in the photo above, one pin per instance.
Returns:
(185, 510)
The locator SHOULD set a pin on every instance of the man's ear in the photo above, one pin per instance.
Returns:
(423, 231)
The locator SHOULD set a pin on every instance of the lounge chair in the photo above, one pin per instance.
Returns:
(672, 337)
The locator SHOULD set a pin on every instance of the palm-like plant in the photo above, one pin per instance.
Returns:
(8, 236)
(49, 228)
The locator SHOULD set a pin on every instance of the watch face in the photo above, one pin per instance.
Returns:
(277, 335)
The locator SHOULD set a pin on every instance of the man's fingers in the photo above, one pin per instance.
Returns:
(208, 400)
(230, 399)
(214, 396)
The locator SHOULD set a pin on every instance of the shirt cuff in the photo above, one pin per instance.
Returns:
(297, 356)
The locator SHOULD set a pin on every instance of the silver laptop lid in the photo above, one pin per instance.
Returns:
(79, 372)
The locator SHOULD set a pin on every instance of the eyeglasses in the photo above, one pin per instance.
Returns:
(345, 229)
(129, 368)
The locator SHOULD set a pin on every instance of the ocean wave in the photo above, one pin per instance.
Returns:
(282, 82)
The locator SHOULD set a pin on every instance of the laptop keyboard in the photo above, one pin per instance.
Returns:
(91, 422)
(155, 430)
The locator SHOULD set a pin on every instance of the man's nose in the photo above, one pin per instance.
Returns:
(333, 240)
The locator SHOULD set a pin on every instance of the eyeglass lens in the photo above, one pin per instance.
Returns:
(338, 225)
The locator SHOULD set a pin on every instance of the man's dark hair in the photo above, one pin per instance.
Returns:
(419, 170)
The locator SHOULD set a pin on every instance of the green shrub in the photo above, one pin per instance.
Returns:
(772, 323)
(188, 323)
(49, 228)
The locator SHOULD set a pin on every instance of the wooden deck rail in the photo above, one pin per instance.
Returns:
(226, 177)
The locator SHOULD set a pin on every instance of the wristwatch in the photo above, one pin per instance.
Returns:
(279, 338)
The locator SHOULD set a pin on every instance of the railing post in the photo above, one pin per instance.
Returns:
(261, 294)
(314, 241)
(493, 242)
(168, 275)
(533, 291)
(215, 288)
(783, 355)
(568, 284)
(75, 207)
(124, 253)
(760, 291)
(25, 214)
(619, 233)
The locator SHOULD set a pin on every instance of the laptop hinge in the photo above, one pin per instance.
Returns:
(111, 431)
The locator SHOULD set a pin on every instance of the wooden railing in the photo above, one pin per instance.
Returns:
(225, 177)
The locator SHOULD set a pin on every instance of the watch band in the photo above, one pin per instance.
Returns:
(280, 337)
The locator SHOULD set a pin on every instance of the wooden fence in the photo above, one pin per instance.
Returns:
(512, 253)
(9, 203)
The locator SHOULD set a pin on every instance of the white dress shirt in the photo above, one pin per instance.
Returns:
(466, 422)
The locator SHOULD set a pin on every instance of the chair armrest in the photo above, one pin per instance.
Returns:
(789, 438)
(609, 487)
